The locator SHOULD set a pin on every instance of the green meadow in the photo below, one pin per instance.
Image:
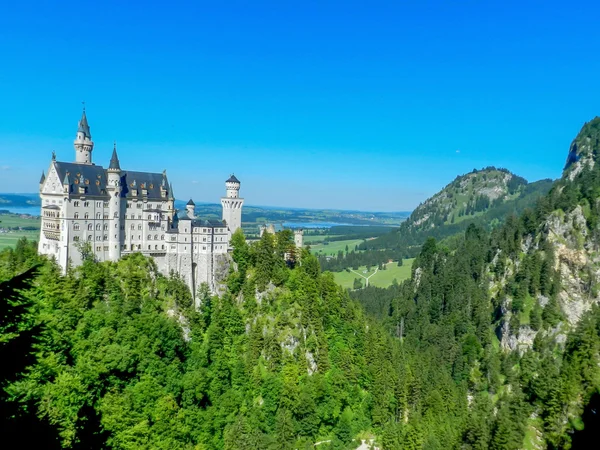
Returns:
(10, 238)
(382, 278)
(332, 248)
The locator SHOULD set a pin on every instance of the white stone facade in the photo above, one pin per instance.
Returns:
(119, 212)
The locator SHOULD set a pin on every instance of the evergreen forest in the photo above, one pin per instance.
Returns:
(493, 343)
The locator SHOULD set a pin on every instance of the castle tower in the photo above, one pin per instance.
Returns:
(83, 142)
(298, 237)
(232, 204)
(113, 189)
(190, 208)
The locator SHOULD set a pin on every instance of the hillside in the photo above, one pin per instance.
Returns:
(538, 278)
(483, 197)
(18, 200)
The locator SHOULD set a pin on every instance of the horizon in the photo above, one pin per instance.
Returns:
(312, 106)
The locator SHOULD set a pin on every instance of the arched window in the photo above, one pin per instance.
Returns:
(149, 237)
(149, 247)
(98, 216)
(90, 227)
(116, 215)
(156, 237)
(98, 226)
(89, 237)
(133, 227)
(149, 216)
(86, 216)
(76, 226)
(76, 215)
(162, 237)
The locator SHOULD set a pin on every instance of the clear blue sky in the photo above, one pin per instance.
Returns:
(366, 105)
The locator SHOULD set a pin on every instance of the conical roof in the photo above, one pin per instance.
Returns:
(191, 203)
(43, 178)
(83, 126)
(232, 179)
(114, 160)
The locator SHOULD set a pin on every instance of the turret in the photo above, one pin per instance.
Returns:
(190, 208)
(83, 142)
(67, 184)
(298, 237)
(232, 204)
(232, 185)
(42, 180)
(114, 189)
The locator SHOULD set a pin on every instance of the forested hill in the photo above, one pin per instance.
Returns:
(526, 296)
(483, 197)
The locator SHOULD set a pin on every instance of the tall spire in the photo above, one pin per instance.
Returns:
(83, 125)
(114, 160)
(83, 141)
(43, 178)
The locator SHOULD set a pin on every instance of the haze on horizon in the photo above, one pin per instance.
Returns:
(342, 106)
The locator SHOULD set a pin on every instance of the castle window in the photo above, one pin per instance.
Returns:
(139, 227)
(133, 227)
(76, 238)
(149, 247)
(149, 237)
(98, 216)
(76, 203)
(76, 216)
(156, 247)
(163, 247)
(105, 216)
(90, 227)
(86, 204)
(98, 204)
(106, 204)
(89, 237)
(149, 217)
(156, 237)
(105, 226)
(97, 226)
(76, 226)
(86, 216)
(105, 237)
(162, 237)
(128, 205)
(116, 215)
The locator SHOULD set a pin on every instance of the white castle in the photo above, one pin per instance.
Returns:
(119, 212)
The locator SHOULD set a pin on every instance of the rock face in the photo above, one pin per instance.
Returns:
(574, 253)
(573, 241)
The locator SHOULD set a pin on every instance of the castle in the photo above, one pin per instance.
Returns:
(117, 212)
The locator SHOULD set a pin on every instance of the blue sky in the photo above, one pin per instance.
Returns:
(364, 105)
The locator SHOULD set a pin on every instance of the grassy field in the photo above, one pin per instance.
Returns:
(10, 239)
(334, 247)
(13, 220)
(383, 278)
(312, 240)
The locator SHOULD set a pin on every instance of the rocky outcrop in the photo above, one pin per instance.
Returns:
(578, 271)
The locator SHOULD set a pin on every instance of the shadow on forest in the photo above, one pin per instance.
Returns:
(588, 437)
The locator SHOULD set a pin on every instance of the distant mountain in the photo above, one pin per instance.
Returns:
(484, 197)
(19, 200)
